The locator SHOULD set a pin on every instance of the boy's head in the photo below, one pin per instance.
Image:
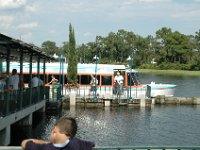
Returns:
(14, 71)
(65, 127)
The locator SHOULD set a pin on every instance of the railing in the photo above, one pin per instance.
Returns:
(125, 148)
(11, 101)
(149, 148)
(118, 94)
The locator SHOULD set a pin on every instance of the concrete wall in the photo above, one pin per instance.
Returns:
(177, 100)
(24, 117)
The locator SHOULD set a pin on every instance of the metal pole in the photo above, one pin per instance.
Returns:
(96, 57)
(95, 90)
(30, 78)
(60, 59)
(63, 80)
(130, 73)
(20, 80)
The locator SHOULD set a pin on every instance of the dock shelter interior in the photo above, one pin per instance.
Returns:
(18, 105)
(16, 50)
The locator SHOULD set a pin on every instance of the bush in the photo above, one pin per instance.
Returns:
(169, 66)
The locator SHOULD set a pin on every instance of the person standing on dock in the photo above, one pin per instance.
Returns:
(14, 86)
(119, 79)
(62, 137)
(93, 84)
(53, 80)
(14, 81)
(2, 86)
(54, 86)
(35, 81)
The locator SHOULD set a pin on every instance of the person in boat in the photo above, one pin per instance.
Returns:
(119, 80)
(62, 137)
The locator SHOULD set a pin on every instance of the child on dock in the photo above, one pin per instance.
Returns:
(62, 137)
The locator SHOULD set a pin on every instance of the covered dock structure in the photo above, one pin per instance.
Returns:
(18, 106)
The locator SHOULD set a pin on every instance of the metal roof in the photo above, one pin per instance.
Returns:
(16, 46)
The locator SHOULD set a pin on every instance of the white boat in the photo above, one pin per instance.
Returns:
(105, 74)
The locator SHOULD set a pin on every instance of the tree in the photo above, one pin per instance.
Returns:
(72, 58)
(166, 48)
(197, 37)
(65, 49)
(50, 47)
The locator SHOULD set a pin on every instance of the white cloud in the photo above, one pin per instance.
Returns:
(27, 37)
(31, 8)
(99, 17)
(150, 1)
(6, 21)
(52, 31)
(9, 4)
(28, 25)
(187, 15)
(87, 34)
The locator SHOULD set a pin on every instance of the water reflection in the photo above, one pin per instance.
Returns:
(139, 126)
(131, 126)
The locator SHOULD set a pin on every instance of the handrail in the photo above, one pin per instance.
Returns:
(12, 101)
(124, 148)
(149, 148)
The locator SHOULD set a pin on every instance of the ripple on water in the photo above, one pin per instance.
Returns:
(132, 126)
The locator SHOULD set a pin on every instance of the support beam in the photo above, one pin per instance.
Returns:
(5, 136)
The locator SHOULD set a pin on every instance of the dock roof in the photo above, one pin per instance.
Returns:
(17, 46)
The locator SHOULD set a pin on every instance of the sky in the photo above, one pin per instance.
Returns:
(36, 21)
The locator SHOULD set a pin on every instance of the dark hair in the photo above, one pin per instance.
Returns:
(67, 125)
(14, 71)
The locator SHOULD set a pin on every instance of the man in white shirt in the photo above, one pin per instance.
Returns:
(35, 82)
(14, 80)
(118, 80)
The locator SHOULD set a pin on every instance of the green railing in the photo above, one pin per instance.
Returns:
(149, 148)
(12, 101)
(125, 148)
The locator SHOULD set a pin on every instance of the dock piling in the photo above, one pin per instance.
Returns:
(72, 98)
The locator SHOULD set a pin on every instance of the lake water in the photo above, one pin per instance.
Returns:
(186, 86)
(130, 126)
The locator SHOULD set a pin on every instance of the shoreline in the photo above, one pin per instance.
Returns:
(182, 73)
(159, 100)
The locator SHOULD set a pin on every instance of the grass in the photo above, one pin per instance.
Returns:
(171, 72)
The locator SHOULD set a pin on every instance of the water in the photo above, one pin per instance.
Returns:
(130, 126)
(186, 86)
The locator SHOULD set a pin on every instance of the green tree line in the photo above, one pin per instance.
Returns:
(166, 50)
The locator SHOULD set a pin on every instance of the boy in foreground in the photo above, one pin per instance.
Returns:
(62, 137)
